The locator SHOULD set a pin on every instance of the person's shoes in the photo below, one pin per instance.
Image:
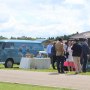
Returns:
(76, 73)
(66, 71)
(58, 71)
(54, 68)
(62, 72)
(84, 71)
(80, 71)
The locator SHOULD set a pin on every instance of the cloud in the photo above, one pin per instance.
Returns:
(75, 1)
(43, 18)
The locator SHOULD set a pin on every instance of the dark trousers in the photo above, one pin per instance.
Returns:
(84, 62)
(60, 64)
(50, 56)
(53, 61)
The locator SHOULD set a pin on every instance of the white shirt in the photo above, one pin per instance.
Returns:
(70, 57)
(49, 46)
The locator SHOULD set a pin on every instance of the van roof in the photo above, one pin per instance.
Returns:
(26, 41)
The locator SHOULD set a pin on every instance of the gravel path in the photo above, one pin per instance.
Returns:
(52, 79)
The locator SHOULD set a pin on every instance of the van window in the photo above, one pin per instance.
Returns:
(31, 46)
(36, 46)
(9, 45)
(0, 45)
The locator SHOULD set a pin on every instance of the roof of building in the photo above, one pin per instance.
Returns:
(26, 41)
(81, 35)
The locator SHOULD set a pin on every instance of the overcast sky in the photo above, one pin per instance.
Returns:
(43, 18)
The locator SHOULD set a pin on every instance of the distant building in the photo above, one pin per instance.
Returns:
(82, 35)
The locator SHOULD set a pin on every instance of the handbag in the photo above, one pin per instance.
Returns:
(67, 54)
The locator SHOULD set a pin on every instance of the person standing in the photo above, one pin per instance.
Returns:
(53, 53)
(48, 50)
(77, 51)
(60, 55)
(69, 58)
(85, 52)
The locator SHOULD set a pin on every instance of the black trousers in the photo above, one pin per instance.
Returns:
(53, 61)
(60, 64)
(84, 62)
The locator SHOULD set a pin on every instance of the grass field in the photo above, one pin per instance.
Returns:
(11, 86)
(16, 67)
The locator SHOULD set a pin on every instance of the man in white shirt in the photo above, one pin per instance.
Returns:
(49, 46)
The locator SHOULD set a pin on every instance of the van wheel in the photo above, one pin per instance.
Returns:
(9, 63)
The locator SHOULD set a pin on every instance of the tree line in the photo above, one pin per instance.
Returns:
(64, 37)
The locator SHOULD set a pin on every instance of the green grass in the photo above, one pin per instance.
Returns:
(16, 67)
(11, 86)
(72, 73)
(87, 73)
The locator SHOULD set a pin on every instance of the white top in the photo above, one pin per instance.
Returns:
(70, 57)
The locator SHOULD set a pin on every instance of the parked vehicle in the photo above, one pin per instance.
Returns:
(43, 54)
(11, 50)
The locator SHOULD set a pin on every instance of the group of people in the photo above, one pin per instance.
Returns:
(74, 52)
